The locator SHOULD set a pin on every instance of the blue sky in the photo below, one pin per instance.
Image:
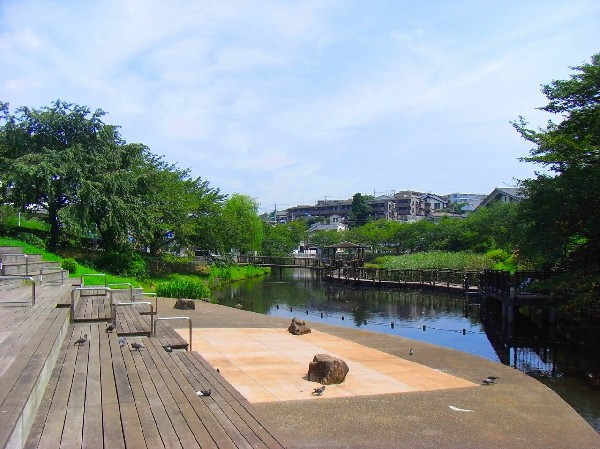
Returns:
(291, 102)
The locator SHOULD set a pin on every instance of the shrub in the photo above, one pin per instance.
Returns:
(69, 264)
(124, 263)
(31, 239)
(183, 288)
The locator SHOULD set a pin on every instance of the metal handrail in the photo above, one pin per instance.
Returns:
(29, 278)
(177, 318)
(76, 289)
(93, 274)
(113, 311)
(152, 294)
(124, 283)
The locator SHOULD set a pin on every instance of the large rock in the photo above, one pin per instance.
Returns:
(298, 327)
(185, 304)
(327, 370)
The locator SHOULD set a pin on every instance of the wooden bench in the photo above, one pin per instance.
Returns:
(104, 395)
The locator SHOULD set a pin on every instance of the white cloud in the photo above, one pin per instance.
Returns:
(293, 100)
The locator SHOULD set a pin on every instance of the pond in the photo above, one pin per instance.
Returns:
(430, 317)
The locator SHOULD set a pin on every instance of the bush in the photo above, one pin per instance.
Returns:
(183, 288)
(124, 263)
(31, 239)
(69, 264)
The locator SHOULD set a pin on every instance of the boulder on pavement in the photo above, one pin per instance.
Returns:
(185, 304)
(327, 369)
(298, 327)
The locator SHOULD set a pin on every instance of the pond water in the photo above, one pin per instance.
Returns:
(441, 319)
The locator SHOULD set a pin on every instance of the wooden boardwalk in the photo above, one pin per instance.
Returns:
(106, 394)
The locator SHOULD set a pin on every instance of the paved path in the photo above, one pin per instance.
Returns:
(517, 412)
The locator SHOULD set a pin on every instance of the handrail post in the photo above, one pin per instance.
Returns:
(73, 306)
(33, 292)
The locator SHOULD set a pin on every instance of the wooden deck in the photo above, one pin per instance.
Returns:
(101, 394)
(104, 395)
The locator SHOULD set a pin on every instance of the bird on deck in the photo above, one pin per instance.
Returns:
(168, 349)
(204, 392)
(489, 380)
(319, 391)
(110, 327)
(136, 346)
(81, 340)
(122, 341)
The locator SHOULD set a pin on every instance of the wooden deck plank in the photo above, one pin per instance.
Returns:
(164, 425)
(219, 426)
(186, 438)
(130, 420)
(55, 420)
(225, 407)
(203, 426)
(37, 427)
(111, 414)
(73, 430)
(149, 425)
(239, 405)
(92, 416)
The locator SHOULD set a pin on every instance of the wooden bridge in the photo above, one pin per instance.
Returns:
(59, 391)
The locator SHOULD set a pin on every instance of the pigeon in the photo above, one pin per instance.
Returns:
(136, 346)
(319, 391)
(122, 341)
(489, 380)
(218, 370)
(411, 351)
(168, 349)
(81, 340)
(110, 327)
(204, 392)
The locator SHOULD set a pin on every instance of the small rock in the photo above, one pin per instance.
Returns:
(298, 327)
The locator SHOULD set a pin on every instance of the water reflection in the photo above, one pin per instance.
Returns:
(448, 321)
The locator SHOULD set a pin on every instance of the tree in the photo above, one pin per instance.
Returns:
(180, 210)
(40, 150)
(560, 211)
(281, 239)
(66, 161)
(242, 227)
(361, 210)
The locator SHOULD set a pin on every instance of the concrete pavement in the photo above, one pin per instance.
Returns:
(516, 412)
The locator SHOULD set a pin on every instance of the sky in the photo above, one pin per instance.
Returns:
(292, 102)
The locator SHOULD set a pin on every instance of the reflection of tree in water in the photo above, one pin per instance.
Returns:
(360, 314)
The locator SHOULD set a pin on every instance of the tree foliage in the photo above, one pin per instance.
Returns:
(361, 210)
(243, 228)
(559, 213)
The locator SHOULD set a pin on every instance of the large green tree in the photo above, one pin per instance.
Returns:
(242, 227)
(560, 212)
(181, 210)
(360, 212)
(39, 151)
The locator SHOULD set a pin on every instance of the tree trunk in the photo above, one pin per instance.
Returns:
(54, 227)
